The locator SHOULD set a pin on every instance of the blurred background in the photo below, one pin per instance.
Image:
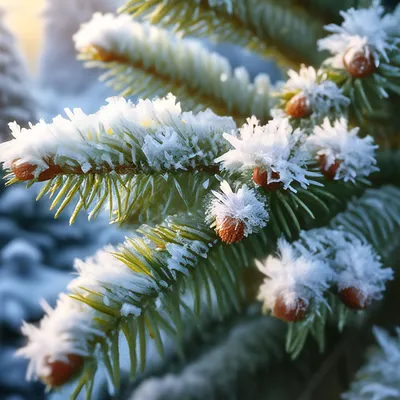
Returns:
(23, 17)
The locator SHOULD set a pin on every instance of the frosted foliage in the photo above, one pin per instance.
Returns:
(242, 205)
(275, 147)
(360, 28)
(236, 358)
(323, 95)
(151, 135)
(62, 331)
(106, 275)
(336, 142)
(293, 275)
(357, 265)
(148, 48)
(379, 378)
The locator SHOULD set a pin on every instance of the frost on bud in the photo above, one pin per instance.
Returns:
(329, 171)
(299, 106)
(60, 372)
(294, 283)
(260, 177)
(290, 313)
(236, 214)
(359, 62)
(354, 298)
(230, 230)
(25, 171)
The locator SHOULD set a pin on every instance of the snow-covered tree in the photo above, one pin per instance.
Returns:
(236, 191)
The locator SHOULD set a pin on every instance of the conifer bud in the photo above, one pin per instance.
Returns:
(230, 230)
(353, 298)
(298, 106)
(287, 313)
(61, 372)
(359, 63)
(25, 171)
(105, 56)
(330, 172)
(260, 177)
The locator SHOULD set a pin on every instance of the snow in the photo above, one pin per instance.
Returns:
(62, 331)
(275, 147)
(293, 275)
(358, 265)
(379, 378)
(121, 133)
(243, 205)
(324, 95)
(360, 28)
(336, 142)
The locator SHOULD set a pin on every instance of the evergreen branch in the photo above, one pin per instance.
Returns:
(255, 343)
(373, 218)
(268, 27)
(147, 61)
(379, 378)
(113, 156)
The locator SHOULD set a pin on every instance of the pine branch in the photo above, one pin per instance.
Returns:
(373, 218)
(147, 61)
(254, 343)
(117, 155)
(267, 27)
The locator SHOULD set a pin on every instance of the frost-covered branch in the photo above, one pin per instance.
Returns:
(344, 259)
(268, 27)
(379, 378)
(253, 344)
(146, 60)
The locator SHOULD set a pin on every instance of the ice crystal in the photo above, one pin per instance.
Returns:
(322, 94)
(293, 275)
(242, 205)
(338, 143)
(151, 135)
(360, 28)
(65, 330)
(275, 147)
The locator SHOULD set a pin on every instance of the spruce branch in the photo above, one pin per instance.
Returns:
(373, 219)
(269, 27)
(148, 61)
(100, 158)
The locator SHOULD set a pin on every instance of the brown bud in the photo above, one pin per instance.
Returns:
(25, 171)
(61, 372)
(353, 298)
(286, 313)
(331, 171)
(107, 56)
(298, 106)
(260, 177)
(359, 63)
(230, 230)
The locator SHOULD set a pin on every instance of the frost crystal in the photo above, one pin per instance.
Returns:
(109, 277)
(151, 135)
(360, 28)
(294, 275)
(336, 143)
(357, 265)
(323, 95)
(242, 205)
(274, 147)
(65, 330)
(379, 379)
